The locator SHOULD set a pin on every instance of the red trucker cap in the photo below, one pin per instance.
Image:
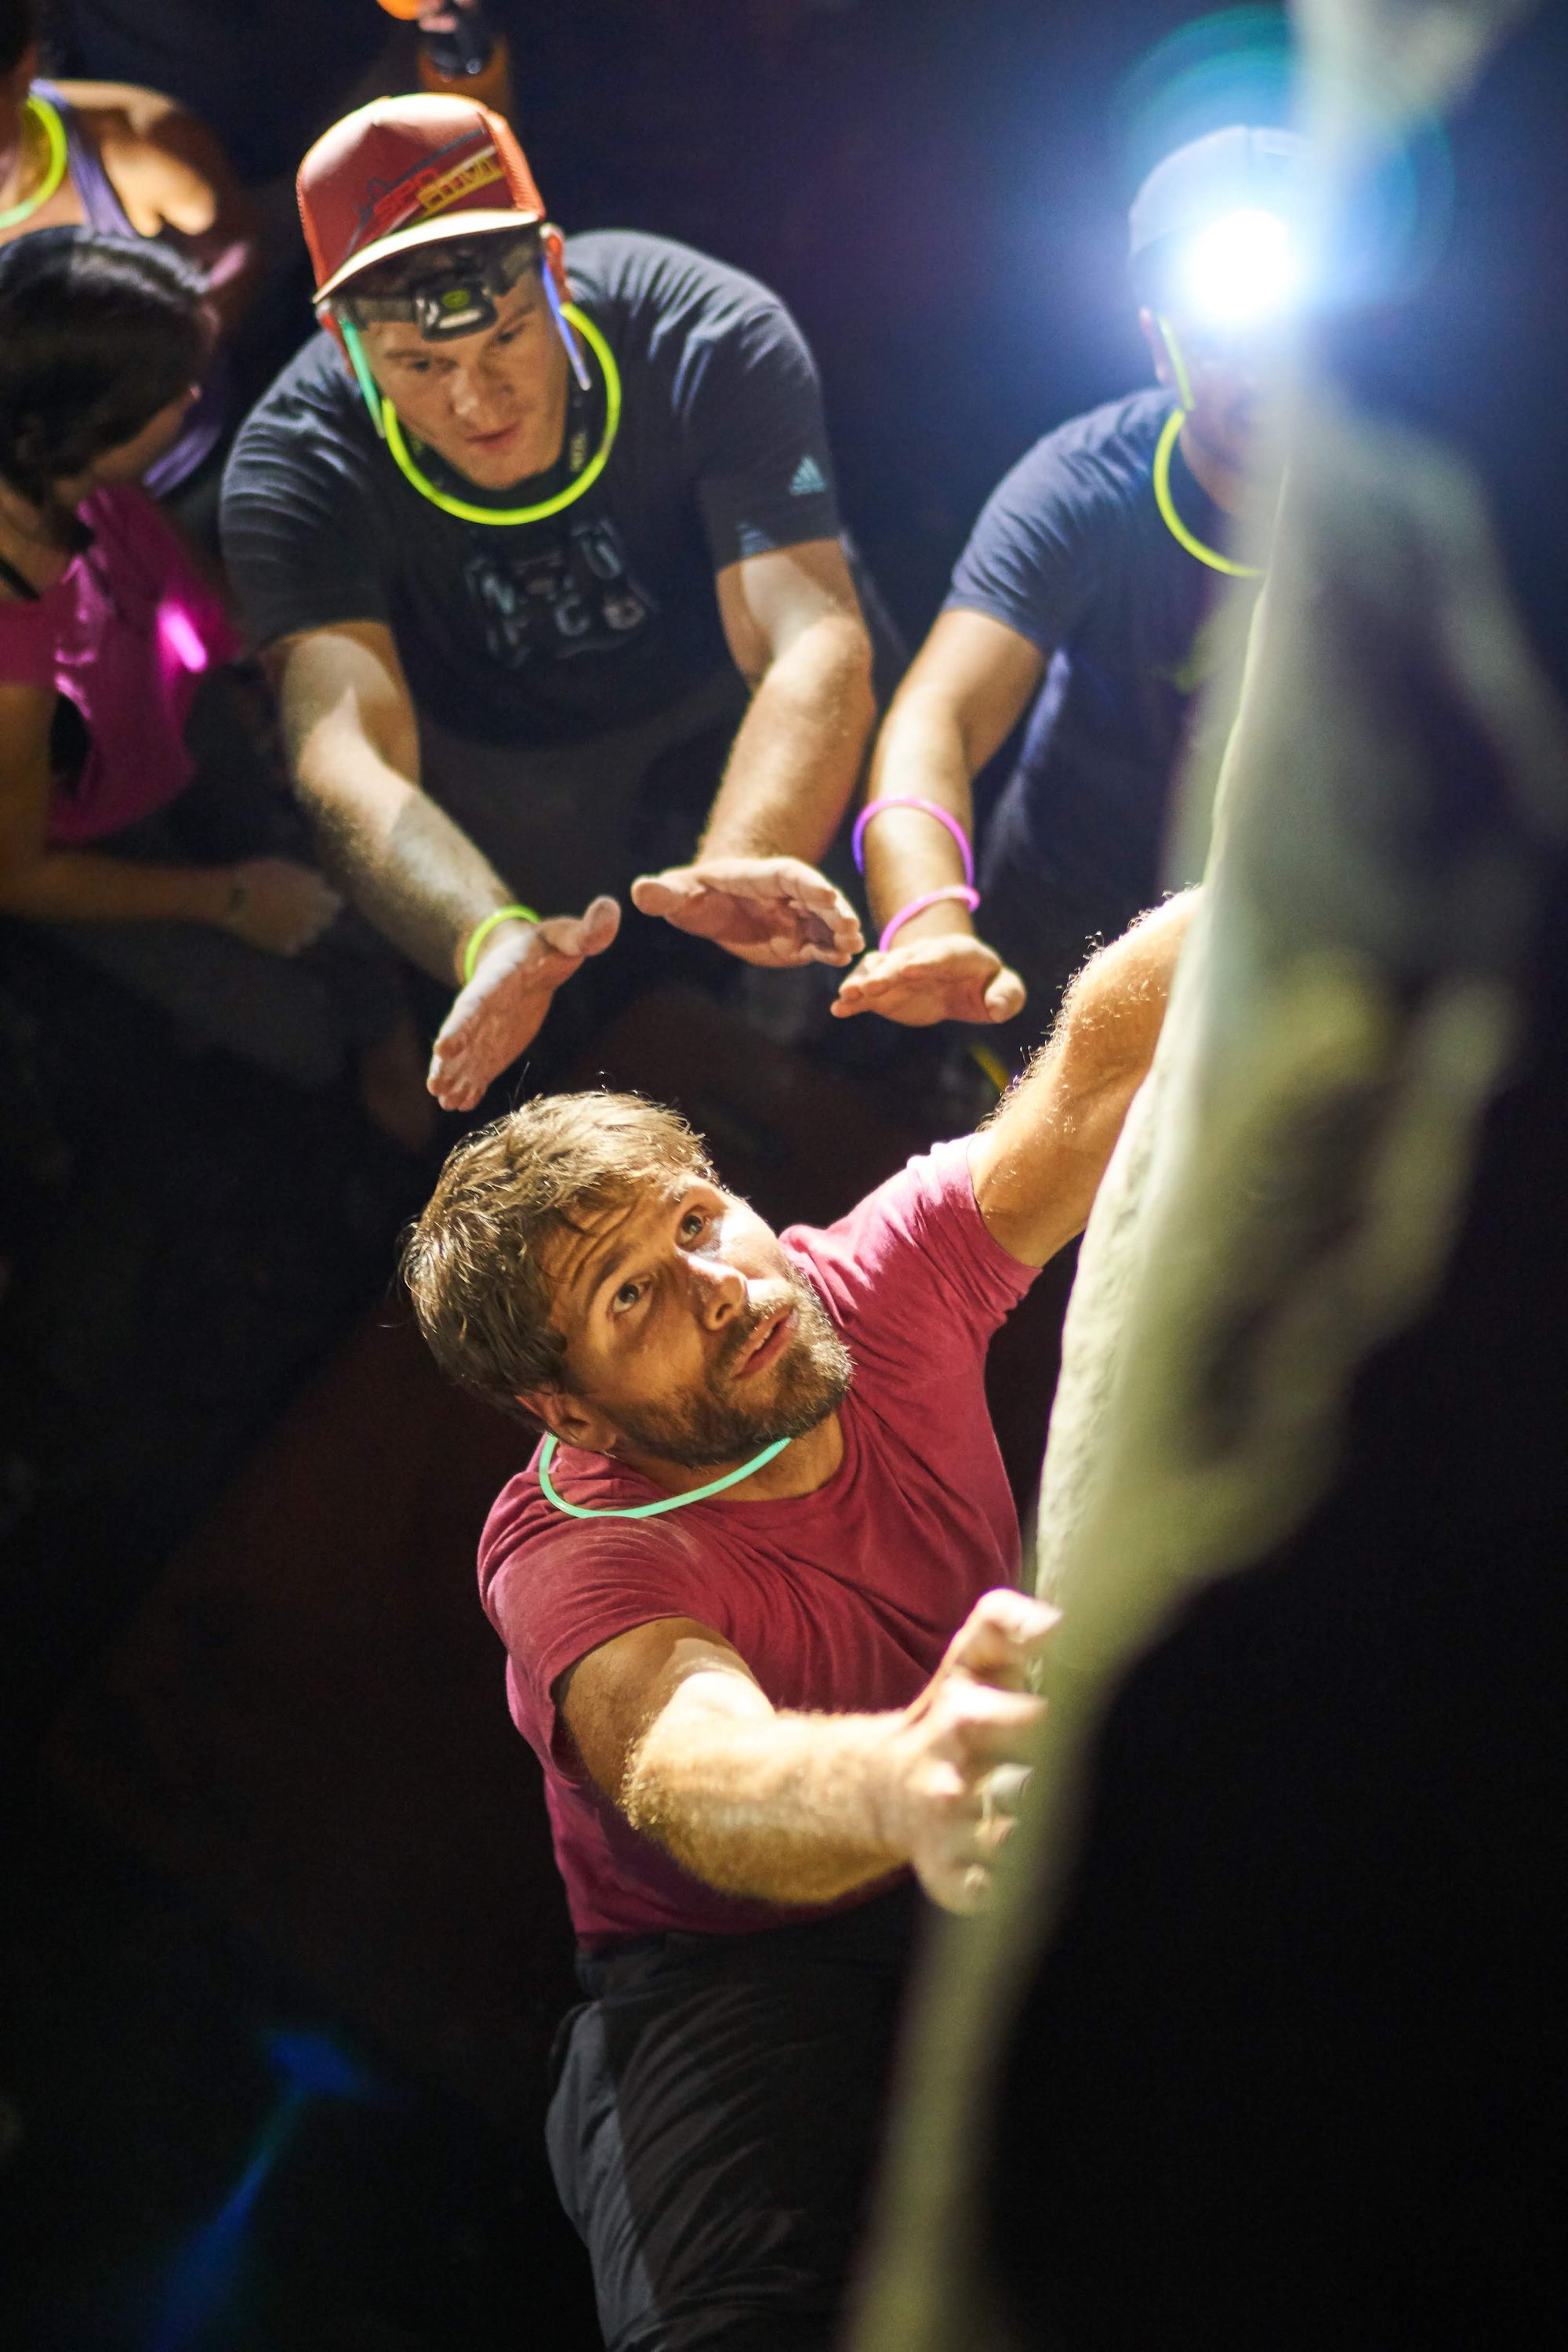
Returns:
(409, 171)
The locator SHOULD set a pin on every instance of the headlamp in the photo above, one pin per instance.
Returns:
(1217, 232)
(1242, 269)
(458, 308)
(455, 295)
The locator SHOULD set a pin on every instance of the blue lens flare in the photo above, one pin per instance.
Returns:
(210, 2267)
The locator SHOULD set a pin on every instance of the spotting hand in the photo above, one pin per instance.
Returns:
(954, 977)
(768, 910)
(973, 1720)
(521, 966)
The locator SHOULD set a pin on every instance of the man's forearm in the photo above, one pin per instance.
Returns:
(922, 755)
(784, 1808)
(794, 764)
(403, 861)
(1037, 1162)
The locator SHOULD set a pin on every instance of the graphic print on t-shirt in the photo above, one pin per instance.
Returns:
(574, 595)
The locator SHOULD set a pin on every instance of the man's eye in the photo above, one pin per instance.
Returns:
(692, 1224)
(627, 1296)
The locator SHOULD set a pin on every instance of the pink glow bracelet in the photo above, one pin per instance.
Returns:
(964, 890)
(910, 800)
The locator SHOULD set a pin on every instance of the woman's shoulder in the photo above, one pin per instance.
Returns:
(122, 107)
(162, 161)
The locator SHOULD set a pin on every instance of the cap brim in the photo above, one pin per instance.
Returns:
(441, 230)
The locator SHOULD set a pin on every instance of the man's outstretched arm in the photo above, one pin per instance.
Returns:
(798, 1808)
(353, 749)
(1036, 1165)
(794, 626)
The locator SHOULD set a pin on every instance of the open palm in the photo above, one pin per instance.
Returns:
(501, 1011)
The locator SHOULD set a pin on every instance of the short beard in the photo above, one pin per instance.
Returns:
(716, 1426)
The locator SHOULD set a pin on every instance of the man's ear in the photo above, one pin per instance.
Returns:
(555, 259)
(571, 1420)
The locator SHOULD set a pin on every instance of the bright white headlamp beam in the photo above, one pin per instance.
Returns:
(1244, 266)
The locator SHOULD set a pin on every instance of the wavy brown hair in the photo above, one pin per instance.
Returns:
(472, 1262)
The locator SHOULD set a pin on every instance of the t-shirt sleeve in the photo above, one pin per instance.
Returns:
(1034, 558)
(756, 434)
(298, 521)
(554, 1597)
(913, 1273)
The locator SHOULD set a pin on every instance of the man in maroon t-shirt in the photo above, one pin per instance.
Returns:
(729, 1584)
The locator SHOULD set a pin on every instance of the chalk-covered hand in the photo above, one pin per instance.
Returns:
(767, 910)
(974, 1720)
(521, 966)
(953, 977)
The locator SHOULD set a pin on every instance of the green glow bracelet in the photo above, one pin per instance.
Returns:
(481, 932)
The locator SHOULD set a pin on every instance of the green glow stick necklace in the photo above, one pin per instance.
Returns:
(667, 1502)
(464, 509)
(48, 118)
(1172, 519)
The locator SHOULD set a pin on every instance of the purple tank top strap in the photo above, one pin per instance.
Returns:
(92, 183)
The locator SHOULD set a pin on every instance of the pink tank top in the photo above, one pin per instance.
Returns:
(125, 635)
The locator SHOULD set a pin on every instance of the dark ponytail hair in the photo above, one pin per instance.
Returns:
(97, 334)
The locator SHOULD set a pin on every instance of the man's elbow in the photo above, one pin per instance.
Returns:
(833, 651)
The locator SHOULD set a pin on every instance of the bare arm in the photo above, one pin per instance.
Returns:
(1035, 1166)
(967, 688)
(792, 623)
(269, 902)
(354, 747)
(352, 742)
(74, 885)
(799, 1808)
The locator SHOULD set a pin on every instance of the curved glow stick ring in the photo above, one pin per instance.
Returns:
(667, 1502)
(47, 117)
(465, 510)
(912, 800)
(1173, 520)
(964, 890)
(481, 932)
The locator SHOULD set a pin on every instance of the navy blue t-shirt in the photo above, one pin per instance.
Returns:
(1071, 552)
(597, 617)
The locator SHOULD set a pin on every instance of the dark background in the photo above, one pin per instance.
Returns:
(938, 189)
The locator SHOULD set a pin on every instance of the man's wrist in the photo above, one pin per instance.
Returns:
(885, 1788)
(949, 919)
(473, 941)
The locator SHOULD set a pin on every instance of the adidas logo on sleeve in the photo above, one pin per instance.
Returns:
(807, 478)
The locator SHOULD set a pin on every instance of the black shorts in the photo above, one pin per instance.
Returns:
(716, 2117)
